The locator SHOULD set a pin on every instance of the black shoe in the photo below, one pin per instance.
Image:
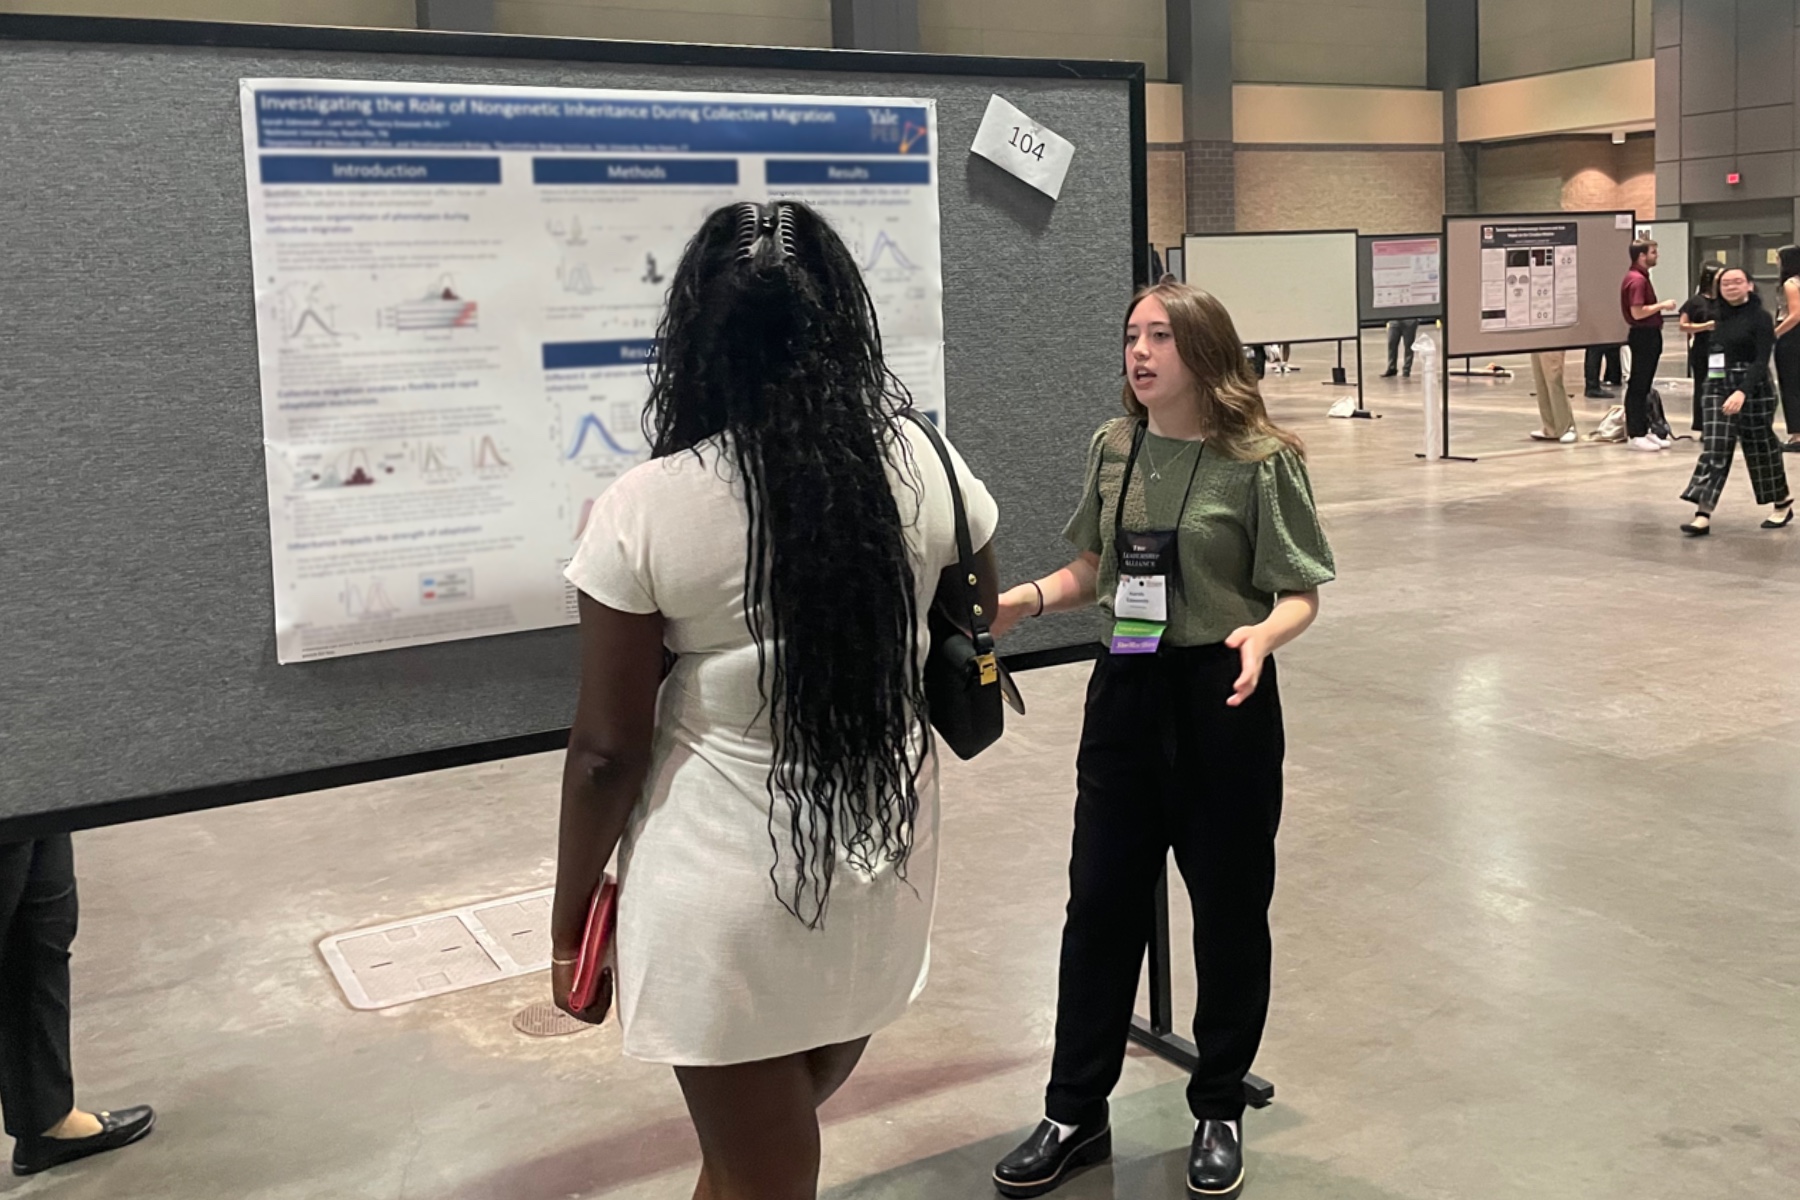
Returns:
(1784, 520)
(1042, 1161)
(1216, 1163)
(31, 1155)
(1700, 526)
(1389, 373)
(1595, 393)
(1790, 447)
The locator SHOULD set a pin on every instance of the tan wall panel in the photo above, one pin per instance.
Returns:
(1620, 96)
(1375, 43)
(1132, 30)
(1164, 120)
(1374, 191)
(1167, 172)
(1531, 37)
(1306, 115)
(733, 22)
(382, 14)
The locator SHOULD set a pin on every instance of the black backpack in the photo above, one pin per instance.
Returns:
(1659, 423)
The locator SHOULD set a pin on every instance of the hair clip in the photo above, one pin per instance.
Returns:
(784, 229)
(749, 228)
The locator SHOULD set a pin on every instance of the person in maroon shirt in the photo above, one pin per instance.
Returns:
(1644, 312)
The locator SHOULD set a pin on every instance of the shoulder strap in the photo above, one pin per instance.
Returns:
(971, 607)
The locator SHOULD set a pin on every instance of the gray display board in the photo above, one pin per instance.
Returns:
(1602, 241)
(1373, 313)
(139, 653)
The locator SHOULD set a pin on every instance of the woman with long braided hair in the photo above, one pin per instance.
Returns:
(774, 798)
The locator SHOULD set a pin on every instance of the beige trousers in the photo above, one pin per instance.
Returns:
(1552, 397)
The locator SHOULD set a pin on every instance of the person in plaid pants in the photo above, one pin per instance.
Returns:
(1739, 407)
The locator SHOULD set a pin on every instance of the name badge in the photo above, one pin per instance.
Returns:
(1137, 637)
(1142, 598)
(1144, 560)
(1715, 365)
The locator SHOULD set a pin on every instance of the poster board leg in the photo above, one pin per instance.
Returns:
(1361, 410)
(1337, 373)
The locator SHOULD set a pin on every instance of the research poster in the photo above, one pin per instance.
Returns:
(1406, 272)
(1528, 276)
(457, 297)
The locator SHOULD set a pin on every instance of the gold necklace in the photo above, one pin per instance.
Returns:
(1156, 471)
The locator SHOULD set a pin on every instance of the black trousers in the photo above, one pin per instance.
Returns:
(38, 913)
(1165, 764)
(1596, 357)
(1787, 371)
(1646, 355)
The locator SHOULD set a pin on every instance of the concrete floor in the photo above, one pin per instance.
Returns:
(1537, 931)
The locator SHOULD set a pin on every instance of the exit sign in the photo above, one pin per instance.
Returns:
(1733, 178)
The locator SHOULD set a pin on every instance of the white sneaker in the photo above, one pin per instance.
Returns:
(1569, 438)
(1665, 443)
(1645, 443)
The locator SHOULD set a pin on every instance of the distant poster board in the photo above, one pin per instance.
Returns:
(1175, 262)
(1399, 277)
(1280, 287)
(1519, 283)
(1530, 276)
(1671, 276)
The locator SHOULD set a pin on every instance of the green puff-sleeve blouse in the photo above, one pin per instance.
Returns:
(1250, 532)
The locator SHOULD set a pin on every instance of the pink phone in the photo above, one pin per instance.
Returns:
(596, 943)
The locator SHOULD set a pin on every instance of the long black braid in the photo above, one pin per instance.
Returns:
(770, 344)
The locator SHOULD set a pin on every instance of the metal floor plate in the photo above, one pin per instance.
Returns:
(430, 955)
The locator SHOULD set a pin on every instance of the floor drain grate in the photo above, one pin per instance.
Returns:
(546, 1020)
(441, 952)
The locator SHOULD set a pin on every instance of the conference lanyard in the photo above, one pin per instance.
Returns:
(1149, 564)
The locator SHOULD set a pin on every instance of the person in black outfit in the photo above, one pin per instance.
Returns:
(1787, 345)
(1697, 323)
(1597, 357)
(38, 914)
(1197, 529)
(1740, 406)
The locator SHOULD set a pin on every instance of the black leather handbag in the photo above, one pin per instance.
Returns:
(964, 681)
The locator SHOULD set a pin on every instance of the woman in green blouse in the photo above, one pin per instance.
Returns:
(1198, 537)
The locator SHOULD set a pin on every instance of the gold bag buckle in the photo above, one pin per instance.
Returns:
(990, 669)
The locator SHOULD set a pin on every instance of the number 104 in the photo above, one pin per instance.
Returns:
(1027, 144)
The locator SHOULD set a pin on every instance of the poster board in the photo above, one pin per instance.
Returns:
(139, 607)
(1672, 276)
(441, 411)
(1175, 262)
(1399, 277)
(1522, 282)
(1280, 287)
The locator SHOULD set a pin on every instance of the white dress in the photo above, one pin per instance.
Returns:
(712, 969)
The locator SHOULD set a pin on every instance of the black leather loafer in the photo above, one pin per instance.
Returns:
(117, 1129)
(1043, 1161)
(1216, 1164)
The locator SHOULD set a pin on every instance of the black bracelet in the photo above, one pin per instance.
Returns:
(1040, 592)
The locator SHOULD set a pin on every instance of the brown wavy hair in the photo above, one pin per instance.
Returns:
(1232, 414)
